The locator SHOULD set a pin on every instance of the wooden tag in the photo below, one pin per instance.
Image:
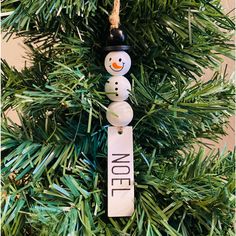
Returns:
(120, 172)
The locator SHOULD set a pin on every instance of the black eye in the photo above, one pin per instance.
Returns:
(116, 82)
(109, 59)
(120, 60)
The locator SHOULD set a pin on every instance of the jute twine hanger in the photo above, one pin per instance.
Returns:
(114, 18)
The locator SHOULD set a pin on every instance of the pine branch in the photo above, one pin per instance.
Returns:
(54, 163)
(193, 188)
(166, 115)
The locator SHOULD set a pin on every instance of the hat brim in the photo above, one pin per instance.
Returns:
(117, 48)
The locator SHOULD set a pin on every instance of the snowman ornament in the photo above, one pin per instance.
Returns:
(120, 136)
(117, 87)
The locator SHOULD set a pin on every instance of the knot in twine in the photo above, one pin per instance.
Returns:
(114, 18)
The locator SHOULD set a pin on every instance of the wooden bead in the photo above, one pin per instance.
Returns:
(117, 88)
(117, 63)
(119, 114)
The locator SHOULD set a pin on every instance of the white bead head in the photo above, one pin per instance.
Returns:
(117, 63)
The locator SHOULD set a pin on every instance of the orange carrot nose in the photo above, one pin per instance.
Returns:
(116, 66)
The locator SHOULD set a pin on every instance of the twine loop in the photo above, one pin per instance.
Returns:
(114, 18)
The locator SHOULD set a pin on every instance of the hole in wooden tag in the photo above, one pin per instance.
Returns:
(120, 131)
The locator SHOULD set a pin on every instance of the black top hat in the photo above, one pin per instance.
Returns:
(116, 41)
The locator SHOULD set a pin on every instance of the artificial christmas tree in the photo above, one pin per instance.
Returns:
(54, 166)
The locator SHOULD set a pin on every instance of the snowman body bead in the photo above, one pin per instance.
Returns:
(119, 114)
(117, 88)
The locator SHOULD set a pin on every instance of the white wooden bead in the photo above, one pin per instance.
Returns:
(119, 113)
(117, 88)
(117, 63)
